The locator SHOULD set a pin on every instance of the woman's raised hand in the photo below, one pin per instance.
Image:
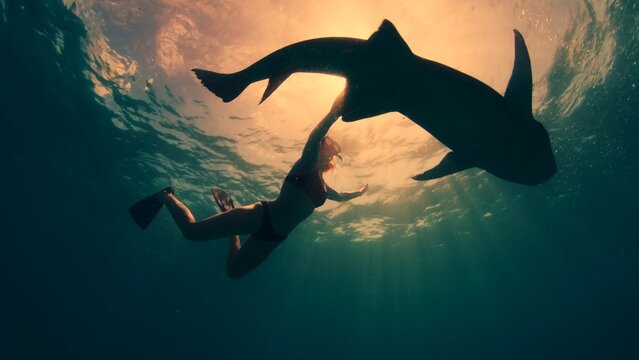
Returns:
(363, 190)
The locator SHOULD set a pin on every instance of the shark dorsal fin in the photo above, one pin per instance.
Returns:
(389, 38)
(519, 91)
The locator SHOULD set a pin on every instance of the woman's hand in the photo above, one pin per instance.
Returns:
(361, 191)
(310, 155)
(346, 195)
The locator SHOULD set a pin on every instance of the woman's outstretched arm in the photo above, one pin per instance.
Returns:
(310, 154)
(344, 195)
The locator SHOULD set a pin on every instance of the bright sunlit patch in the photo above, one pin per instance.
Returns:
(384, 151)
(98, 88)
(376, 147)
(368, 229)
(177, 30)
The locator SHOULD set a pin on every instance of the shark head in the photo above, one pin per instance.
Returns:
(535, 153)
(524, 156)
(545, 167)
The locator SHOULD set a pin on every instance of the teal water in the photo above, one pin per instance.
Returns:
(469, 267)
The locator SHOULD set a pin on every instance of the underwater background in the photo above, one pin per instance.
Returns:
(98, 109)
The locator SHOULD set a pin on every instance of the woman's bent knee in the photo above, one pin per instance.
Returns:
(189, 232)
(235, 272)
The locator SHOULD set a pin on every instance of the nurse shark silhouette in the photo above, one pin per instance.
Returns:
(482, 128)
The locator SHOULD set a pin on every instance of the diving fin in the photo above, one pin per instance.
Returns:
(223, 200)
(450, 164)
(145, 210)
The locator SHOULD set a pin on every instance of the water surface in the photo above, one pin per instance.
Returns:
(98, 109)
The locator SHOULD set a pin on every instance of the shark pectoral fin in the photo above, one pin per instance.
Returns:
(273, 83)
(450, 164)
(519, 91)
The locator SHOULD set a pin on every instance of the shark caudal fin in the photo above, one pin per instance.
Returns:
(225, 86)
(519, 91)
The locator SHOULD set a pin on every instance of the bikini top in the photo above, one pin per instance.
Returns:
(311, 184)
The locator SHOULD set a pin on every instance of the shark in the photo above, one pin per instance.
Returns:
(481, 128)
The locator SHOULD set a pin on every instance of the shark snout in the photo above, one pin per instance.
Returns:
(542, 164)
(544, 171)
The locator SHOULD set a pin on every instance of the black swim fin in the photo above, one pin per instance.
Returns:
(223, 199)
(145, 210)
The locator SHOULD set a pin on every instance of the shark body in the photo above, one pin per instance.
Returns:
(481, 127)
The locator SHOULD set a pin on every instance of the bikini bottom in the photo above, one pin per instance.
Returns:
(266, 231)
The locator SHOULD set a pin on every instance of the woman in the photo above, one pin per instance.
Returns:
(269, 222)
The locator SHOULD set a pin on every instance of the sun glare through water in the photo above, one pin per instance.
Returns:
(384, 151)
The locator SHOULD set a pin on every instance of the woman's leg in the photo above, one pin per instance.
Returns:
(241, 220)
(243, 259)
(234, 247)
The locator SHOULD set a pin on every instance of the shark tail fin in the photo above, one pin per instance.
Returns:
(273, 83)
(225, 86)
(519, 91)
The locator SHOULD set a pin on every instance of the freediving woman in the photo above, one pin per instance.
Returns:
(268, 222)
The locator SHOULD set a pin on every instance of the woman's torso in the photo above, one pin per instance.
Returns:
(299, 196)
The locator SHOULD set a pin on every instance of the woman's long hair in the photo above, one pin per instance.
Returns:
(331, 147)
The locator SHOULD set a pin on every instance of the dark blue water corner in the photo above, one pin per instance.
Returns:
(500, 271)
